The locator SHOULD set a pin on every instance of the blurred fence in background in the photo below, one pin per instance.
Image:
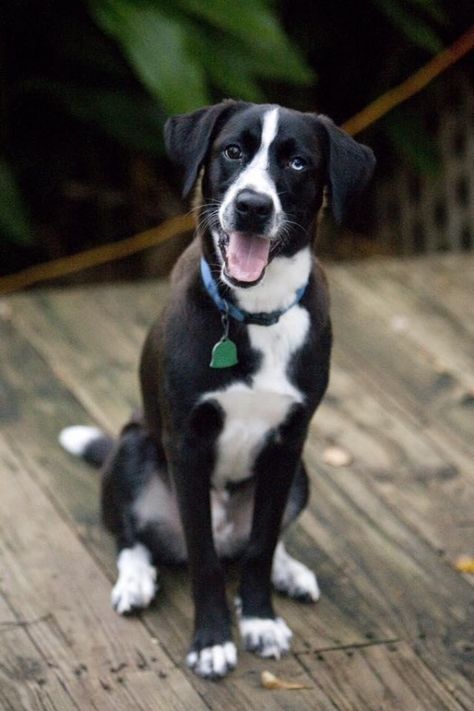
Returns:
(416, 212)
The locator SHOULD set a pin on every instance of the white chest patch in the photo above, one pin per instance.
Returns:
(253, 411)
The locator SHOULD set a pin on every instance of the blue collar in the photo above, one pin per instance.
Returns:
(260, 319)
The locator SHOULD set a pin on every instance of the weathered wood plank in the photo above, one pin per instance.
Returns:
(417, 316)
(404, 581)
(79, 333)
(444, 285)
(411, 375)
(426, 486)
(327, 627)
(426, 466)
(408, 435)
(27, 681)
(378, 678)
(48, 577)
(179, 596)
(75, 493)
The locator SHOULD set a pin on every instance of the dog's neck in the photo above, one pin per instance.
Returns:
(230, 307)
(283, 277)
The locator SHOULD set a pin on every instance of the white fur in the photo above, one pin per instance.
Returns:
(256, 175)
(231, 521)
(266, 637)
(157, 502)
(277, 289)
(252, 411)
(223, 527)
(77, 438)
(212, 662)
(136, 584)
(291, 577)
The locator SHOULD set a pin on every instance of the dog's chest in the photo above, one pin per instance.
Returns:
(252, 412)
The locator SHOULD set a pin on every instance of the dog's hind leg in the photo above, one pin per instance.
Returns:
(128, 471)
(136, 584)
(289, 576)
(293, 578)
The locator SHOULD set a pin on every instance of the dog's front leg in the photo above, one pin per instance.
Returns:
(212, 653)
(263, 632)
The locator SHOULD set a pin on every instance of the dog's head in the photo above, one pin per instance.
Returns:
(264, 171)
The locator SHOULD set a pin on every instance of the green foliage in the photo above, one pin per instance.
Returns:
(156, 46)
(75, 74)
(413, 25)
(14, 221)
(181, 50)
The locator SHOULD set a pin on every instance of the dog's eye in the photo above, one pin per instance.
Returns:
(233, 152)
(297, 163)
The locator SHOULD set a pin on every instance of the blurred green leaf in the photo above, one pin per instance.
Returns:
(432, 8)
(408, 134)
(14, 220)
(414, 28)
(177, 48)
(135, 121)
(235, 69)
(231, 75)
(248, 19)
(259, 36)
(157, 48)
(256, 60)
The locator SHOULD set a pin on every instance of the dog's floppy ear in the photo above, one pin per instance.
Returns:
(189, 136)
(350, 166)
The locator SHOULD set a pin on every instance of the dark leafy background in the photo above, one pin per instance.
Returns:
(85, 89)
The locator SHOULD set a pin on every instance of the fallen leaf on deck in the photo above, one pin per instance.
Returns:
(336, 457)
(270, 681)
(464, 564)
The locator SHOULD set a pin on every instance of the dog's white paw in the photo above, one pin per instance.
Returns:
(77, 438)
(136, 585)
(266, 637)
(292, 578)
(213, 662)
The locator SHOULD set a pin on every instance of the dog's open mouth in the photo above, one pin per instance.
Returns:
(245, 256)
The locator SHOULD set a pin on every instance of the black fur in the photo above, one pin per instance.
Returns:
(98, 450)
(176, 438)
(189, 137)
(350, 168)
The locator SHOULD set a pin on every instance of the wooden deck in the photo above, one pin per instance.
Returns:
(394, 627)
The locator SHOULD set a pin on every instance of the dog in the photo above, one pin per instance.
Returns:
(231, 375)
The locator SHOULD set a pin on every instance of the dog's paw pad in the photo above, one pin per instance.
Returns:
(136, 585)
(265, 636)
(213, 662)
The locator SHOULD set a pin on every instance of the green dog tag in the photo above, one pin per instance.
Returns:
(224, 354)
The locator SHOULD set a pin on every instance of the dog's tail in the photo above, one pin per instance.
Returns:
(89, 443)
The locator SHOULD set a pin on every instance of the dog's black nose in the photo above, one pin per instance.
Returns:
(252, 205)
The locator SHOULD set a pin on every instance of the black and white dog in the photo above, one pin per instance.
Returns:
(231, 375)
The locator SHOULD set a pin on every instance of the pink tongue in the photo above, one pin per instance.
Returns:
(247, 256)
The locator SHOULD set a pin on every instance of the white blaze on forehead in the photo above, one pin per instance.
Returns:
(256, 175)
(269, 131)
